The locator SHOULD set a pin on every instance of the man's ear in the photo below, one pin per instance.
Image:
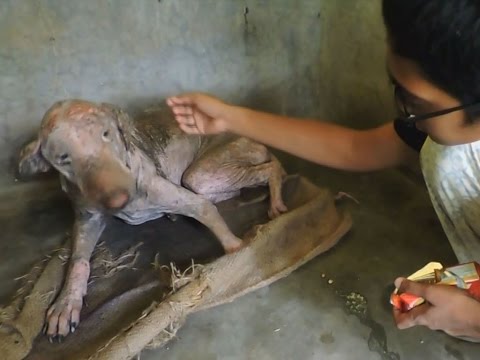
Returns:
(31, 162)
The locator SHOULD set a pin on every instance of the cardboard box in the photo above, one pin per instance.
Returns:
(464, 276)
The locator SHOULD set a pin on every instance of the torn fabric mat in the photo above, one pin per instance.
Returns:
(139, 295)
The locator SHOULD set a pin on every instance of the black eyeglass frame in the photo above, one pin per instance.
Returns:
(411, 119)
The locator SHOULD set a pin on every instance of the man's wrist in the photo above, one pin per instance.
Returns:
(476, 323)
(234, 118)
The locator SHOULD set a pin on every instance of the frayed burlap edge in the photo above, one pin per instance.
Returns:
(275, 250)
(22, 320)
(219, 282)
(22, 323)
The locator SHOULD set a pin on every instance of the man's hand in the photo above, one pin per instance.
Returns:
(199, 113)
(447, 308)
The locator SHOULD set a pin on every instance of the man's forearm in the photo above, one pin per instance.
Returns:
(320, 142)
(475, 336)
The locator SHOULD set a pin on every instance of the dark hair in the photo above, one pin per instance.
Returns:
(443, 38)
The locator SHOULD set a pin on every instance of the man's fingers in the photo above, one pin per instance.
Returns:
(182, 110)
(398, 282)
(189, 129)
(403, 319)
(412, 287)
(180, 100)
(186, 120)
(413, 317)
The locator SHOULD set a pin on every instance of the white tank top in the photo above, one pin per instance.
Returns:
(452, 175)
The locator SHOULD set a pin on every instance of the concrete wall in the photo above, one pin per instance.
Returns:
(321, 58)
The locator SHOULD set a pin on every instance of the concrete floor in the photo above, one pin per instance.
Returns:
(302, 316)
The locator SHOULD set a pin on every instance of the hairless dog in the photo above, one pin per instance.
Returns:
(138, 170)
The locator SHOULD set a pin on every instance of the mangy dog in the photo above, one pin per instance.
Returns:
(138, 170)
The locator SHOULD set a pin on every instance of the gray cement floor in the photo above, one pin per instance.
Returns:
(302, 316)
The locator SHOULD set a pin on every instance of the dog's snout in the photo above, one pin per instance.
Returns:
(116, 200)
(107, 185)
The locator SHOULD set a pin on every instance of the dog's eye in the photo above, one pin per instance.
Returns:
(64, 159)
(106, 135)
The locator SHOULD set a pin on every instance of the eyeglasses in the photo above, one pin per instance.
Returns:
(411, 119)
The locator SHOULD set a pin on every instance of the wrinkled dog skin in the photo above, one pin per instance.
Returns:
(138, 170)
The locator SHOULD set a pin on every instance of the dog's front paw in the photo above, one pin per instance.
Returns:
(277, 208)
(63, 316)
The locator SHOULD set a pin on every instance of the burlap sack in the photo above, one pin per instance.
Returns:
(134, 303)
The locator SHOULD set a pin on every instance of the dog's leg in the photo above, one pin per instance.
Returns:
(64, 315)
(221, 173)
(178, 200)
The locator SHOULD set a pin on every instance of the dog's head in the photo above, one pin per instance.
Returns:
(89, 145)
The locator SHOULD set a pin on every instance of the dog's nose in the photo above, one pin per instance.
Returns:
(117, 200)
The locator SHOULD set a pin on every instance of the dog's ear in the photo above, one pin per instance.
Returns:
(31, 161)
(124, 122)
